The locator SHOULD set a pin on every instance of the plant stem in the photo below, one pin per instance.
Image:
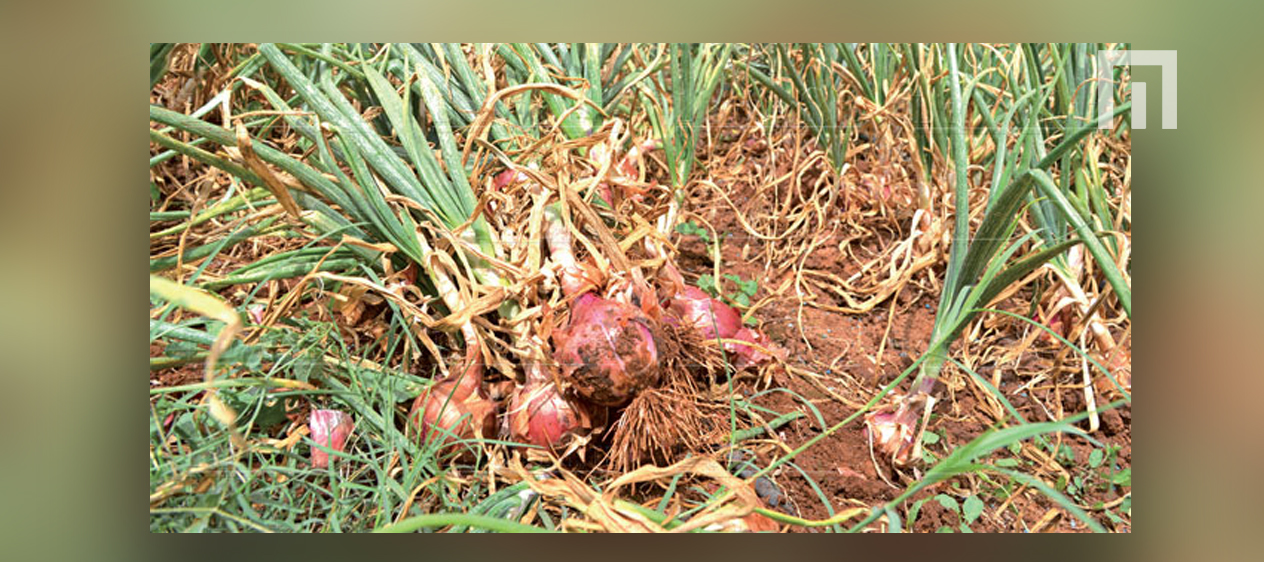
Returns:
(433, 520)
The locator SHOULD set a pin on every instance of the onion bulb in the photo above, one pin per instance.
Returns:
(706, 315)
(893, 432)
(457, 406)
(712, 319)
(330, 428)
(539, 414)
(444, 411)
(607, 350)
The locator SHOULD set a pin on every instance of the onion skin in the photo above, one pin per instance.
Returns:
(747, 355)
(507, 178)
(574, 276)
(441, 410)
(893, 432)
(607, 351)
(624, 174)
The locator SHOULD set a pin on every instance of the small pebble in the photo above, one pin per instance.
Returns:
(767, 491)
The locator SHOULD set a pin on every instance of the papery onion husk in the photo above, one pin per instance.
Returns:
(624, 174)
(893, 432)
(607, 351)
(696, 308)
(746, 355)
(575, 277)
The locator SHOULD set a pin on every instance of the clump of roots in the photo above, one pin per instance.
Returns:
(661, 424)
(655, 426)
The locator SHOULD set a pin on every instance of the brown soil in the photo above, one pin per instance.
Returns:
(844, 350)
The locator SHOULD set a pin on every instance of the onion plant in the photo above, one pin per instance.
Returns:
(1078, 199)
(440, 190)
(979, 268)
(159, 57)
(357, 184)
(1049, 89)
(396, 183)
(1046, 94)
(813, 77)
(814, 88)
(677, 102)
(352, 168)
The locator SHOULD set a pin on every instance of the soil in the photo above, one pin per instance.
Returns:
(844, 350)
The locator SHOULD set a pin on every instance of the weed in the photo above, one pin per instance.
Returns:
(690, 228)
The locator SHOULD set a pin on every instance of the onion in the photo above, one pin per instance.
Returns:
(330, 428)
(506, 178)
(697, 309)
(540, 415)
(457, 405)
(747, 355)
(893, 432)
(712, 318)
(442, 408)
(607, 351)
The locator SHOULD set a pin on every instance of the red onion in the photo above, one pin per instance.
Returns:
(540, 415)
(748, 355)
(893, 432)
(707, 315)
(442, 408)
(330, 428)
(607, 350)
(458, 404)
(696, 308)
(506, 178)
